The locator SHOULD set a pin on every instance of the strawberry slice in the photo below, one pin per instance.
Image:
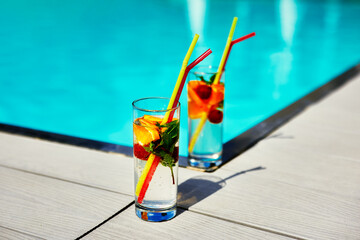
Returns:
(140, 152)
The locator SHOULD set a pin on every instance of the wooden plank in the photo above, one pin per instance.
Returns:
(276, 205)
(344, 98)
(99, 169)
(307, 189)
(302, 167)
(186, 225)
(14, 235)
(328, 134)
(318, 149)
(330, 118)
(302, 180)
(76, 164)
(53, 209)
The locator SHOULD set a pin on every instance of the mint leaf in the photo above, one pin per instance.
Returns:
(221, 104)
(164, 147)
(212, 79)
(168, 161)
(208, 82)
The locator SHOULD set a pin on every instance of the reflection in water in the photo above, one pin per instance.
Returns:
(288, 18)
(331, 21)
(196, 11)
(282, 61)
(89, 60)
(332, 16)
(243, 13)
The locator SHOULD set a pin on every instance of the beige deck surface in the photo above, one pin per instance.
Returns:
(303, 181)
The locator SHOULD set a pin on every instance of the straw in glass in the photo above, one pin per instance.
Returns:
(153, 160)
(217, 79)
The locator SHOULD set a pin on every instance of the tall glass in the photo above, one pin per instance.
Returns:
(156, 155)
(205, 117)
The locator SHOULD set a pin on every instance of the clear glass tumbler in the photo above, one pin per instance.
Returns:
(156, 155)
(205, 117)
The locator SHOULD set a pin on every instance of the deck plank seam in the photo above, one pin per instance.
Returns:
(264, 229)
(106, 220)
(64, 180)
(131, 203)
(322, 191)
(24, 233)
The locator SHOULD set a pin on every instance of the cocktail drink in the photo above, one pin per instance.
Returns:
(156, 148)
(156, 154)
(205, 117)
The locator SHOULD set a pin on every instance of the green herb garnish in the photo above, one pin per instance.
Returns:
(211, 80)
(221, 104)
(164, 147)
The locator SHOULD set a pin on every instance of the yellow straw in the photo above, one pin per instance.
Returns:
(216, 81)
(180, 77)
(197, 131)
(144, 173)
(150, 161)
(226, 50)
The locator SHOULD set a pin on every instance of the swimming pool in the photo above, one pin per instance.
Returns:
(74, 67)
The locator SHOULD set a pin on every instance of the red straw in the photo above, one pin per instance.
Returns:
(234, 42)
(187, 70)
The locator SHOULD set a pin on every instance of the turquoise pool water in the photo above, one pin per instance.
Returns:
(74, 67)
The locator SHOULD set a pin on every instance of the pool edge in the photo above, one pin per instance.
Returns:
(232, 148)
(260, 131)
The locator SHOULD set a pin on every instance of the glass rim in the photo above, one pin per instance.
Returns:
(153, 110)
(198, 70)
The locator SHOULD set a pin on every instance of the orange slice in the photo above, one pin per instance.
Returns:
(145, 133)
(217, 94)
(148, 119)
(152, 119)
(192, 95)
(196, 105)
(195, 111)
(146, 123)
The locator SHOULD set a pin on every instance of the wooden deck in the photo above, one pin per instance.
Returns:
(301, 182)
